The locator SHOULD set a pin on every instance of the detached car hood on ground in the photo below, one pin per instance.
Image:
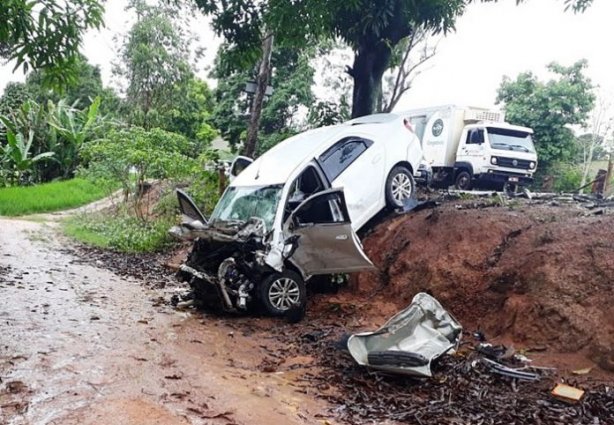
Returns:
(410, 340)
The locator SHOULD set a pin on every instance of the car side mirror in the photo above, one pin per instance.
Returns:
(239, 164)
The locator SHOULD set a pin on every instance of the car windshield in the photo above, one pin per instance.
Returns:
(512, 140)
(242, 203)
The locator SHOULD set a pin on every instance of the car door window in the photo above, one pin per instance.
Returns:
(337, 158)
(322, 210)
(305, 185)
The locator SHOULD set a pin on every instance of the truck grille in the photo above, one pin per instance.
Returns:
(513, 163)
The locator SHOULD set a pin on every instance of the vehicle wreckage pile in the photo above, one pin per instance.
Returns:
(464, 390)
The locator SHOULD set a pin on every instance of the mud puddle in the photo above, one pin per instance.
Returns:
(81, 345)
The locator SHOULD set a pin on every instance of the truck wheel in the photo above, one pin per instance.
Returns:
(279, 292)
(463, 180)
(400, 186)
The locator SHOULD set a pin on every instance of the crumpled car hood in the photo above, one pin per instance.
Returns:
(410, 340)
(228, 231)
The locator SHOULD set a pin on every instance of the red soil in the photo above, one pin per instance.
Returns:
(539, 277)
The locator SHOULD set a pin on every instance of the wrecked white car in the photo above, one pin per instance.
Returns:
(292, 213)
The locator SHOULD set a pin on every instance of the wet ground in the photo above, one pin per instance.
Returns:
(81, 345)
(88, 336)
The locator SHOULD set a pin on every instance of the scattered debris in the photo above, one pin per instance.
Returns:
(584, 371)
(509, 372)
(567, 393)
(410, 341)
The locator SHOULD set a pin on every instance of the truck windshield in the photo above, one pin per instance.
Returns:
(512, 140)
(242, 203)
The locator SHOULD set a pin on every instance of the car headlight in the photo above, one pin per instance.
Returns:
(531, 165)
(493, 160)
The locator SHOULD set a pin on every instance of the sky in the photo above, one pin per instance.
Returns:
(490, 41)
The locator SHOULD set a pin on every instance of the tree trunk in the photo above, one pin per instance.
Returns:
(370, 63)
(261, 84)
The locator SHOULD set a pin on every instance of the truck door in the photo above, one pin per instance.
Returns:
(472, 145)
(326, 242)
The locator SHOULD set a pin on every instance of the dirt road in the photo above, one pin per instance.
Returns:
(80, 345)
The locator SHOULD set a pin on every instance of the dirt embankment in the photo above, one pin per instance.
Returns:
(532, 277)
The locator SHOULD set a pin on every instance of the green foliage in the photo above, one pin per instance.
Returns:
(60, 129)
(46, 34)
(566, 177)
(154, 60)
(48, 197)
(292, 79)
(73, 128)
(134, 156)
(121, 232)
(17, 156)
(549, 108)
(189, 112)
(80, 92)
(326, 113)
(15, 95)
(371, 28)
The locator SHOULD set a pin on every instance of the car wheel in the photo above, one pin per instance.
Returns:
(463, 180)
(400, 186)
(279, 292)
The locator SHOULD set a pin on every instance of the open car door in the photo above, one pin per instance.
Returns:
(326, 241)
(239, 164)
(188, 208)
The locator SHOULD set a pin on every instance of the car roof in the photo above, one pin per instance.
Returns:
(277, 164)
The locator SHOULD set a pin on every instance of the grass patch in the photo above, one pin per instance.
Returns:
(120, 232)
(48, 197)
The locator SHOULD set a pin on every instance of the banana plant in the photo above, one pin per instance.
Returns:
(17, 154)
(74, 128)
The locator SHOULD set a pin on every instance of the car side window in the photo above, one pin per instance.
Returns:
(322, 210)
(343, 153)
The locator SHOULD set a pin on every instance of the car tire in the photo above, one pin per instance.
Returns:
(400, 186)
(281, 292)
(463, 180)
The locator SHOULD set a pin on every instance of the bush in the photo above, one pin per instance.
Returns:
(135, 155)
(567, 177)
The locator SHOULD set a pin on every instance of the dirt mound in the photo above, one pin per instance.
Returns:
(534, 277)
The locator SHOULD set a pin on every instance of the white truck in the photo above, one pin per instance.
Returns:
(473, 148)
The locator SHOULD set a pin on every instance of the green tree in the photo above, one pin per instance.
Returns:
(46, 34)
(371, 28)
(292, 79)
(549, 108)
(80, 91)
(189, 112)
(154, 60)
(15, 95)
(133, 156)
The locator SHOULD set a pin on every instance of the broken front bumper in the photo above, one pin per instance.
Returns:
(204, 283)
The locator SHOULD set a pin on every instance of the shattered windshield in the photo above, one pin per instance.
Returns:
(242, 203)
(512, 140)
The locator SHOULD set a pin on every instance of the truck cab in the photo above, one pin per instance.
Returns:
(471, 147)
(491, 155)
